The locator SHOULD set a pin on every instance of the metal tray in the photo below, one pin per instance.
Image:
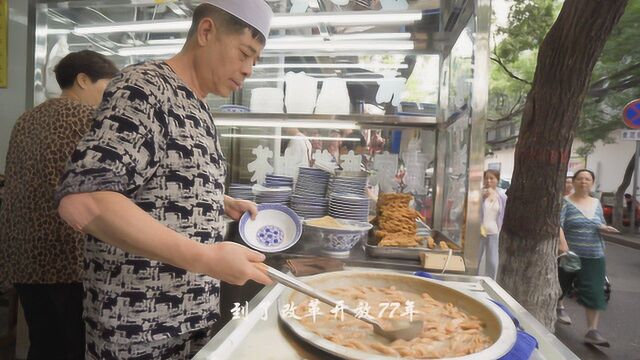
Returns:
(409, 253)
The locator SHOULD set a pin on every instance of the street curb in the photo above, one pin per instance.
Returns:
(622, 241)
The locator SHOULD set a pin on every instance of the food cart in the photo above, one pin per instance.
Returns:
(415, 71)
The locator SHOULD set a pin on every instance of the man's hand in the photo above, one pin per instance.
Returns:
(116, 220)
(233, 263)
(234, 208)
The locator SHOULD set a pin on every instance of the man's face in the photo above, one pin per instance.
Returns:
(227, 60)
(568, 186)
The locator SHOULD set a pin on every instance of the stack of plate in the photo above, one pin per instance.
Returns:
(275, 195)
(349, 207)
(308, 200)
(241, 191)
(352, 185)
(308, 207)
(274, 181)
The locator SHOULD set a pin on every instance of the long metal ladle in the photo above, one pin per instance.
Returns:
(399, 329)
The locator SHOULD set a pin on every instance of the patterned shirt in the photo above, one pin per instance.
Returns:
(155, 142)
(36, 246)
(582, 232)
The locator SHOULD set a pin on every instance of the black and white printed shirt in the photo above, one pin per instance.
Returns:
(155, 142)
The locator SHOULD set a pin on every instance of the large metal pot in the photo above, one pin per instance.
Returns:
(499, 327)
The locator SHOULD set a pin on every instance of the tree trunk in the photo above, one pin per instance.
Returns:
(528, 244)
(618, 208)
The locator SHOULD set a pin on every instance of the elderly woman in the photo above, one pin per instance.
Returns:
(581, 221)
(492, 211)
(41, 254)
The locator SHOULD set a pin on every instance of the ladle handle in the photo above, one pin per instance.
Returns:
(298, 285)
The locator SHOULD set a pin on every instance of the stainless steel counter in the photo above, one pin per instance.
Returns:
(261, 336)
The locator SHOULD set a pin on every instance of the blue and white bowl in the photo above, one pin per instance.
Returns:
(234, 108)
(276, 228)
(337, 242)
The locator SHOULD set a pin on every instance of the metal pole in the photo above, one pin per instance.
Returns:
(632, 216)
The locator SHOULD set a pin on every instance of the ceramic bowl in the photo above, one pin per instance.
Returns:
(234, 108)
(276, 228)
(337, 242)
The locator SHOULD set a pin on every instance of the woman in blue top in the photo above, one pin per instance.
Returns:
(581, 221)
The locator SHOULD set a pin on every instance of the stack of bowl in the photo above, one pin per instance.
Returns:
(347, 185)
(241, 191)
(308, 199)
(273, 181)
(272, 195)
(267, 100)
(302, 92)
(349, 207)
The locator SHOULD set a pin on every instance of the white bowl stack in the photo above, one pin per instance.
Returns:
(302, 91)
(267, 100)
(333, 98)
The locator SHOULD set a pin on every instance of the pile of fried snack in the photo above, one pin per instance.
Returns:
(396, 222)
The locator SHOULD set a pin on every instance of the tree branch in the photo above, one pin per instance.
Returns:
(498, 61)
(509, 116)
(502, 141)
(597, 85)
(622, 85)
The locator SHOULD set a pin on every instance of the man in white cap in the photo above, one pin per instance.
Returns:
(146, 184)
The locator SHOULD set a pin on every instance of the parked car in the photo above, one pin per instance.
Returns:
(504, 183)
(608, 201)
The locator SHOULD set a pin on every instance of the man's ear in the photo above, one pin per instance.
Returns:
(206, 29)
(83, 81)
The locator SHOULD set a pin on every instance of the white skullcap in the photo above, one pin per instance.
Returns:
(256, 13)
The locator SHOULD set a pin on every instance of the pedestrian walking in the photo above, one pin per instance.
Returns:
(494, 201)
(581, 221)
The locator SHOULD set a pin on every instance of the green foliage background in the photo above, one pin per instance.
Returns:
(615, 80)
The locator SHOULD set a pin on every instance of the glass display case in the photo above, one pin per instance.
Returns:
(396, 89)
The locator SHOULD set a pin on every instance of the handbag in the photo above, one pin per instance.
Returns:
(570, 262)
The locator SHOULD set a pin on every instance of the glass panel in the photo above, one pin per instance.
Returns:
(456, 136)
(461, 73)
(375, 59)
(397, 159)
(358, 92)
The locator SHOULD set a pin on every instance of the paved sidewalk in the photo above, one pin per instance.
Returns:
(629, 240)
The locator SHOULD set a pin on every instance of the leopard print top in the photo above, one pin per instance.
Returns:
(36, 245)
